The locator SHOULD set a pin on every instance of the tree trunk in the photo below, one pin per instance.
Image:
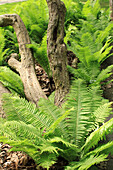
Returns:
(111, 9)
(2, 90)
(56, 49)
(25, 68)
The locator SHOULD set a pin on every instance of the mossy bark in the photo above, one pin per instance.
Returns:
(56, 49)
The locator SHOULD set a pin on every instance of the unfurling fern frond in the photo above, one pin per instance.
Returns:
(11, 80)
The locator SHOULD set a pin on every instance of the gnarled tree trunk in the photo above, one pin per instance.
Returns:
(25, 68)
(56, 49)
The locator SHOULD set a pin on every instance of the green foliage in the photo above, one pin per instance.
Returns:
(35, 19)
(73, 131)
(3, 52)
(91, 45)
(87, 113)
(36, 22)
(91, 53)
(23, 128)
(73, 14)
(11, 40)
(91, 8)
(11, 80)
(40, 53)
(98, 135)
(87, 163)
(49, 130)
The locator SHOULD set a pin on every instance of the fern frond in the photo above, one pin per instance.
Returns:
(103, 112)
(2, 46)
(11, 80)
(49, 148)
(54, 116)
(20, 109)
(57, 122)
(20, 131)
(79, 117)
(98, 135)
(104, 149)
(46, 160)
(61, 140)
(87, 163)
(91, 8)
(104, 74)
(104, 33)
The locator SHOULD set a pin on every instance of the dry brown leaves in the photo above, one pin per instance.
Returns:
(14, 160)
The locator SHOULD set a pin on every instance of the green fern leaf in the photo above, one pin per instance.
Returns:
(54, 116)
(87, 163)
(103, 112)
(47, 160)
(60, 140)
(104, 149)
(11, 80)
(20, 109)
(104, 74)
(57, 122)
(98, 135)
(20, 131)
(77, 119)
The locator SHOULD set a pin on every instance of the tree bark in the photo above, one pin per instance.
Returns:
(111, 9)
(25, 68)
(2, 90)
(56, 49)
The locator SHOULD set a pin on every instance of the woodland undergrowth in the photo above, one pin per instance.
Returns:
(74, 131)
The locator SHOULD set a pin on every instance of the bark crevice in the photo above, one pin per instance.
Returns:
(56, 49)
